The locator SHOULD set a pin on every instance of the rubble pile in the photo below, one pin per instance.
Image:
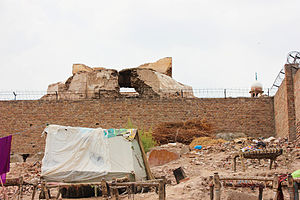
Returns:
(30, 171)
(182, 132)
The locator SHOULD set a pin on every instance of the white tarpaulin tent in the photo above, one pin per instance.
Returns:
(75, 154)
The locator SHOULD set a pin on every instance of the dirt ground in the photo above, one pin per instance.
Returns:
(198, 166)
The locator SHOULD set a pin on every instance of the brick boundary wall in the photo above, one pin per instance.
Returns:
(252, 116)
(297, 99)
(281, 111)
(287, 104)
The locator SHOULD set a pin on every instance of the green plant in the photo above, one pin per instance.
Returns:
(146, 136)
(147, 139)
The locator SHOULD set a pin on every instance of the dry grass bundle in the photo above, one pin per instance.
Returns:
(206, 141)
(183, 132)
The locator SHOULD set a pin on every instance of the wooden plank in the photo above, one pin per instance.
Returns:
(246, 178)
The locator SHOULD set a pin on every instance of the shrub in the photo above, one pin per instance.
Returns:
(146, 136)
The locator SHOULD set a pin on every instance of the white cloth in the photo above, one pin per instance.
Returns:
(74, 154)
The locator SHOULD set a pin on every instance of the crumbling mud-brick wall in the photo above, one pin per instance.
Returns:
(252, 116)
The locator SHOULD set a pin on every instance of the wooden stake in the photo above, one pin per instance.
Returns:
(33, 192)
(20, 188)
(58, 192)
(243, 162)
(144, 156)
(162, 190)
(115, 191)
(217, 186)
(211, 188)
(261, 189)
(275, 186)
(95, 190)
(45, 190)
(234, 163)
(104, 188)
(271, 162)
(291, 187)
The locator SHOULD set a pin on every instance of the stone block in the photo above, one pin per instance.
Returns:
(163, 66)
(81, 68)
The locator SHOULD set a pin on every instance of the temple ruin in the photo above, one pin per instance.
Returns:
(148, 80)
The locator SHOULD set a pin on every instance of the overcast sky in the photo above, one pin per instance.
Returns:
(214, 44)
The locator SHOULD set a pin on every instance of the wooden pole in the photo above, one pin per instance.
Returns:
(58, 192)
(144, 156)
(104, 189)
(162, 190)
(20, 188)
(243, 162)
(291, 187)
(217, 186)
(211, 188)
(234, 163)
(45, 190)
(96, 190)
(271, 162)
(115, 191)
(275, 186)
(33, 192)
(261, 189)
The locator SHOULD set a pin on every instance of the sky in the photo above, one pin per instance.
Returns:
(214, 44)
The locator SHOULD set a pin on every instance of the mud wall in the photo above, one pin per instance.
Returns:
(253, 116)
(297, 99)
(287, 104)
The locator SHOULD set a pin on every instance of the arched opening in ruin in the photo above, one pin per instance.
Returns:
(128, 92)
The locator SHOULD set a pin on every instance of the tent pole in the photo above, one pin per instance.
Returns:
(149, 173)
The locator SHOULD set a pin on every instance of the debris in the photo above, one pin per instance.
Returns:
(230, 136)
(270, 139)
(161, 157)
(179, 174)
(199, 147)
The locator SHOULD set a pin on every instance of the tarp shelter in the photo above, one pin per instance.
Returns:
(76, 154)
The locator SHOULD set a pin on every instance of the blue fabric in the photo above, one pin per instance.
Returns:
(198, 147)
